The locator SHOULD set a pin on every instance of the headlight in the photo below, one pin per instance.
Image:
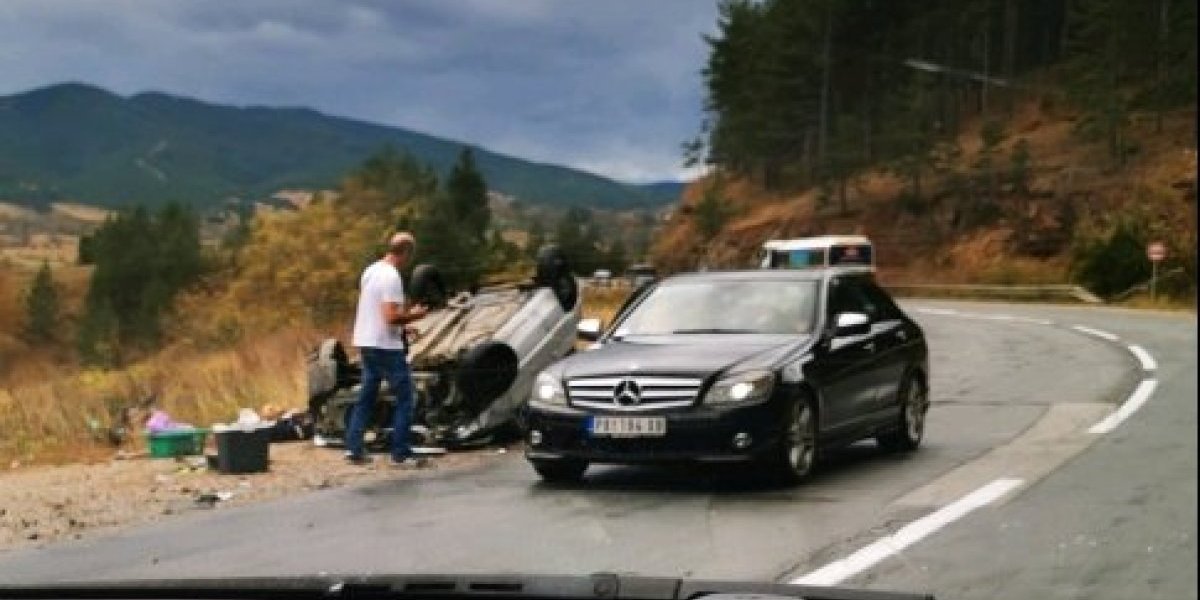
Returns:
(743, 387)
(547, 389)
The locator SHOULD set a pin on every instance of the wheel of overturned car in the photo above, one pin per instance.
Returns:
(914, 404)
(486, 371)
(554, 272)
(560, 470)
(428, 287)
(326, 366)
(796, 455)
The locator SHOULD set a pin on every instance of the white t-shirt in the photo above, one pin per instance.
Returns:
(380, 283)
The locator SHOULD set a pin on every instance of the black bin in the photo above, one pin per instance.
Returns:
(242, 450)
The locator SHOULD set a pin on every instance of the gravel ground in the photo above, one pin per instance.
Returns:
(42, 504)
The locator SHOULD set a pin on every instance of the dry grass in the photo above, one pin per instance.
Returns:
(1143, 301)
(45, 413)
(926, 248)
(602, 302)
(16, 212)
(81, 212)
(46, 420)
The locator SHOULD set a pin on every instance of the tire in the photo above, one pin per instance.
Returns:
(485, 372)
(325, 367)
(795, 457)
(910, 430)
(554, 272)
(560, 471)
(428, 287)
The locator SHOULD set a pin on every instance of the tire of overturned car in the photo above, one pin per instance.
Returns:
(428, 287)
(554, 272)
(327, 367)
(485, 372)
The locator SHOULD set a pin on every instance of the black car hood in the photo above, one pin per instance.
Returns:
(700, 355)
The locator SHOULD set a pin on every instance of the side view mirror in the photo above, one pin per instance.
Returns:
(851, 323)
(588, 329)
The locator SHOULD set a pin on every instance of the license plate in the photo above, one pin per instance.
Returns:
(628, 426)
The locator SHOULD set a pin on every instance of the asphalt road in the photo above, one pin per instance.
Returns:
(1091, 515)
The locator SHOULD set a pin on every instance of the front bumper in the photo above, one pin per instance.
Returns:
(694, 434)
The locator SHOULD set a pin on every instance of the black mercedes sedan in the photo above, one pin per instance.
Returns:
(763, 368)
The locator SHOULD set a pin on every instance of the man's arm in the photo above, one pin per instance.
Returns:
(395, 313)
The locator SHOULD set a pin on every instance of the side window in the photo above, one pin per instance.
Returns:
(846, 295)
(887, 309)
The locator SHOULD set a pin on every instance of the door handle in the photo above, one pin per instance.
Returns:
(869, 346)
(902, 335)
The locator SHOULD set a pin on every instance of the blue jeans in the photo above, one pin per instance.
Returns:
(379, 365)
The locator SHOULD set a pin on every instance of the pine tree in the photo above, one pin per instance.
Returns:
(617, 259)
(41, 307)
(467, 193)
(710, 213)
(453, 226)
(141, 263)
(536, 239)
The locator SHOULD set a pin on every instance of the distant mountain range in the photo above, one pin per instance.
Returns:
(82, 143)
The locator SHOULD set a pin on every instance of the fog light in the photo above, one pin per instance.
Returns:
(535, 437)
(742, 440)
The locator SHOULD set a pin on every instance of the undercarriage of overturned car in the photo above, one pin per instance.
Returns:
(473, 359)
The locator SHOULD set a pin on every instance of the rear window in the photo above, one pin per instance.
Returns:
(859, 254)
(797, 259)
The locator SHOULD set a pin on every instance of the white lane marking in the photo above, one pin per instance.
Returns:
(937, 311)
(995, 317)
(870, 555)
(949, 312)
(1135, 401)
(1096, 332)
(1035, 321)
(1144, 357)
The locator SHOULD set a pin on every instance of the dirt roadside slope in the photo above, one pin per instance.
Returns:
(39, 505)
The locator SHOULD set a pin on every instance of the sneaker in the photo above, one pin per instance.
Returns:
(358, 459)
(409, 462)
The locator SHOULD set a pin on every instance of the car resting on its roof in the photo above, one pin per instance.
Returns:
(474, 357)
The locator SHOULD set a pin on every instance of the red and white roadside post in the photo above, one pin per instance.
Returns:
(1156, 252)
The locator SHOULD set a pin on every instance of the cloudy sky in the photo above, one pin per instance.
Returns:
(609, 86)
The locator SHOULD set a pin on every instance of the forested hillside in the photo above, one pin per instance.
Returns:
(1056, 136)
(86, 144)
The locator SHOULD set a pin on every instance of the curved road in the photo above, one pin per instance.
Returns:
(1018, 391)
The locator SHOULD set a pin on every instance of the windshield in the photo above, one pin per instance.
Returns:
(722, 306)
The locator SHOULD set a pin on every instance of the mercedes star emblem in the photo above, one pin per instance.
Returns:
(627, 393)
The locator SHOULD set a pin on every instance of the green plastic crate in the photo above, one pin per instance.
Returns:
(166, 444)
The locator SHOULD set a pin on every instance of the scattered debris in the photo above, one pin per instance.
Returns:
(60, 502)
(247, 417)
(207, 500)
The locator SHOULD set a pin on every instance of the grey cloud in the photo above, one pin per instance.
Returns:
(609, 86)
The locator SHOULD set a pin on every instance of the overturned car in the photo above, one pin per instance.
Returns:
(474, 358)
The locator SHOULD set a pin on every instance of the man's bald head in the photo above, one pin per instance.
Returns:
(402, 243)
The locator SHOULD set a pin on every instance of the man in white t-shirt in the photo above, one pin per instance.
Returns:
(379, 336)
